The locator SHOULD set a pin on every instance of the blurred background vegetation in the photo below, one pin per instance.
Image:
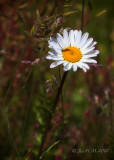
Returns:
(28, 86)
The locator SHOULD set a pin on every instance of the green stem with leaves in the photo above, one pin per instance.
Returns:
(56, 99)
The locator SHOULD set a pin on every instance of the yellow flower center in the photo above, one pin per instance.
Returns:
(72, 54)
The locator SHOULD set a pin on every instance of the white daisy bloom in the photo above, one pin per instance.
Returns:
(73, 50)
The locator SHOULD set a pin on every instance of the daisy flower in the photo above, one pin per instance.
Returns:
(73, 50)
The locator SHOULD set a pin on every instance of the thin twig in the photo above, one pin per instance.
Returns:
(51, 115)
(82, 17)
(9, 131)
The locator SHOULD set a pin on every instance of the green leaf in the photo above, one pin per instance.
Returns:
(69, 13)
(101, 13)
(67, 5)
(59, 15)
(97, 16)
(49, 148)
(26, 33)
(20, 16)
(33, 30)
(23, 6)
(53, 26)
(48, 19)
(38, 18)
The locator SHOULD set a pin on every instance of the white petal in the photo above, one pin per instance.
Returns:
(49, 57)
(66, 37)
(74, 67)
(52, 39)
(84, 69)
(87, 50)
(90, 55)
(65, 34)
(92, 52)
(54, 64)
(52, 52)
(71, 37)
(77, 41)
(65, 68)
(87, 43)
(69, 66)
(75, 35)
(57, 58)
(79, 64)
(53, 42)
(60, 62)
(60, 55)
(88, 60)
(85, 65)
(60, 41)
(57, 50)
(92, 44)
(65, 63)
(84, 39)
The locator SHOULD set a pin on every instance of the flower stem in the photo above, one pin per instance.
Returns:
(61, 99)
(51, 115)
